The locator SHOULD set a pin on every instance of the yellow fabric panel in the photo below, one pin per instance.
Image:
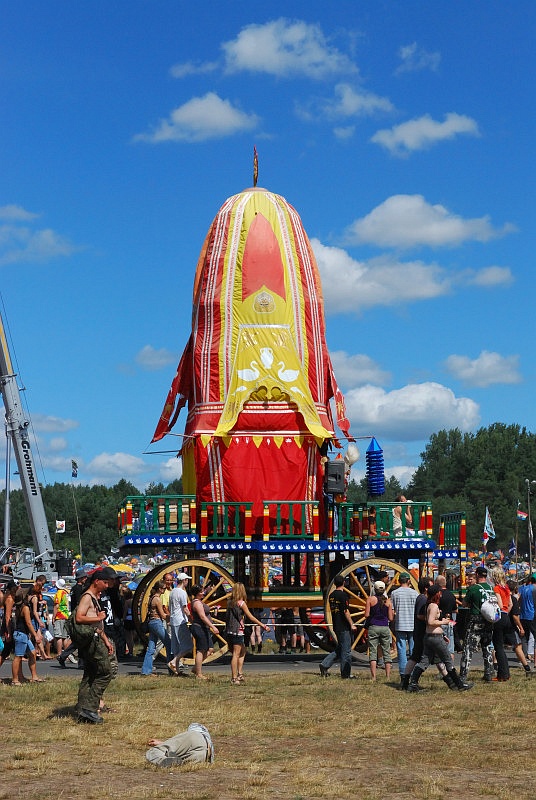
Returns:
(266, 360)
(189, 483)
(264, 306)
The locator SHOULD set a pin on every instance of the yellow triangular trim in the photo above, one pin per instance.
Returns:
(257, 440)
(205, 439)
(279, 440)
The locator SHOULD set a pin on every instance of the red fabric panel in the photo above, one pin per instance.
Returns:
(244, 472)
(261, 263)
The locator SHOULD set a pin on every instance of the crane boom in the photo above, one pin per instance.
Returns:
(17, 428)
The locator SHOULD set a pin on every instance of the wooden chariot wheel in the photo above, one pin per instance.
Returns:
(360, 577)
(202, 573)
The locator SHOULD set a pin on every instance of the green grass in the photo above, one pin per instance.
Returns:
(286, 736)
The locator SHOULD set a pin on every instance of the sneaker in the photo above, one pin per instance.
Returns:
(324, 672)
(61, 662)
(72, 659)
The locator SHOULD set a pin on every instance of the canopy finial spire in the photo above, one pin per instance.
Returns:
(255, 166)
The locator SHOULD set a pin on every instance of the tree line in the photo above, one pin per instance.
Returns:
(467, 472)
(89, 512)
(458, 472)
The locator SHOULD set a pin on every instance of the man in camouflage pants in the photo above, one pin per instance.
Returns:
(479, 631)
(97, 668)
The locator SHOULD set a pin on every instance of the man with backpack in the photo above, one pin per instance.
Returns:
(479, 630)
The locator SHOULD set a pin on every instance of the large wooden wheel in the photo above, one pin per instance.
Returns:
(360, 577)
(203, 573)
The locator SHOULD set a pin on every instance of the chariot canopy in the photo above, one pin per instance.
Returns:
(256, 373)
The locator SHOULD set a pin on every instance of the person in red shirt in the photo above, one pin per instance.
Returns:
(503, 626)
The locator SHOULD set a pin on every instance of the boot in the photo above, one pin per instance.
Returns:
(413, 685)
(404, 682)
(461, 685)
(259, 648)
(449, 680)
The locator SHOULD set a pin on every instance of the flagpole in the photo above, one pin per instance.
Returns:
(74, 474)
(77, 525)
(517, 560)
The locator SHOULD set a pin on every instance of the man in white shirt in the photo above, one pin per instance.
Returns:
(403, 600)
(181, 639)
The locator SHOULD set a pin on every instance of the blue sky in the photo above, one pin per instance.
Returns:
(403, 133)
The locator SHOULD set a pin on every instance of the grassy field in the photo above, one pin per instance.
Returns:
(278, 736)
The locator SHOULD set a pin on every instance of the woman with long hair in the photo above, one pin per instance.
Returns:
(237, 611)
(503, 626)
(6, 629)
(25, 639)
(157, 618)
(201, 628)
(435, 646)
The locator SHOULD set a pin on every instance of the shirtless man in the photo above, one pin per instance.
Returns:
(96, 657)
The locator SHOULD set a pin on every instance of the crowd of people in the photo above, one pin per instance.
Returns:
(429, 627)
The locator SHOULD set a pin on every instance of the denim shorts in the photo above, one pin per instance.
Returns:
(22, 644)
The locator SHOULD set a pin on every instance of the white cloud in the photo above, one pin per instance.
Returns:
(350, 102)
(58, 443)
(201, 118)
(345, 132)
(357, 370)
(116, 465)
(285, 48)
(411, 413)
(492, 276)
(45, 423)
(190, 68)
(151, 359)
(414, 59)
(405, 220)
(403, 474)
(424, 132)
(350, 286)
(22, 243)
(486, 370)
(171, 470)
(16, 213)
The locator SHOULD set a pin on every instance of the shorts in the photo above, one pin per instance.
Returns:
(60, 631)
(22, 643)
(512, 637)
(380, 634)
(202, 637)
(235, 638)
